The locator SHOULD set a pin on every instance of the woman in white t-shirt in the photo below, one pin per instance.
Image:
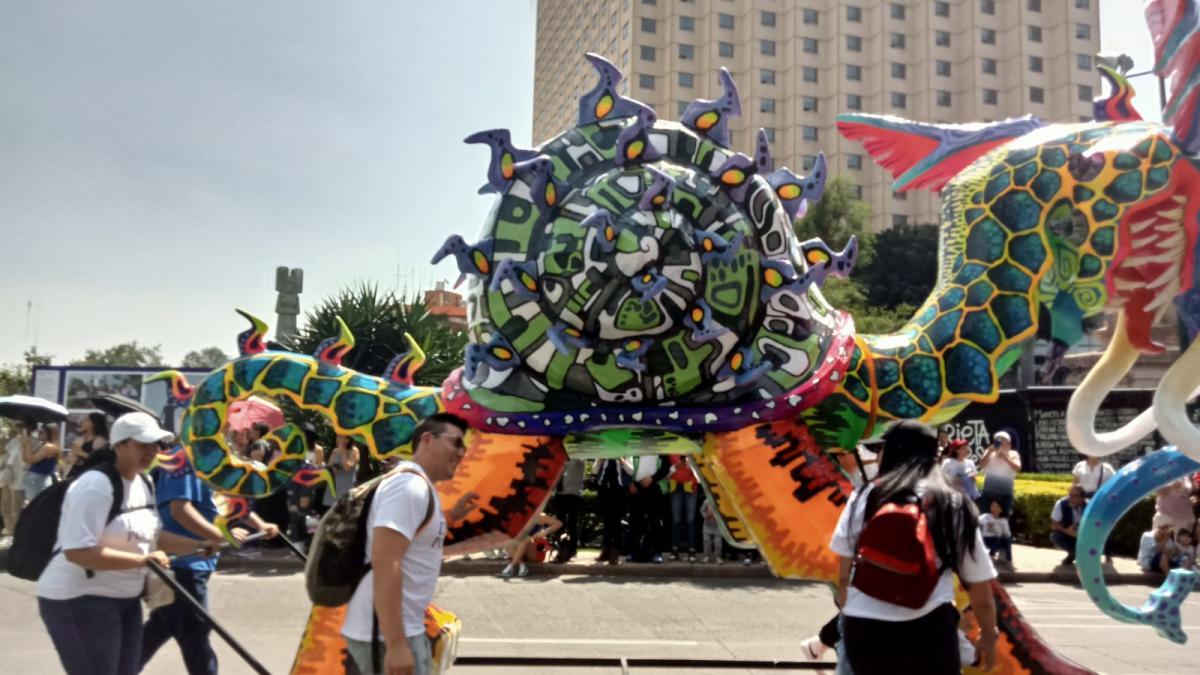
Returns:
(878, 634)
(1000, 464)
(88, 596)
(1090, 473)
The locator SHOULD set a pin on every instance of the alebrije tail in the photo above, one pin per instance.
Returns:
(333, 349)
(1117, 106)
(1115, 497)
(1175, 30)
(178, 388)
(404, 367)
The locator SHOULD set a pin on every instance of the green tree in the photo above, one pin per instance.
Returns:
(127, 355)
(904, 267)
(17, 378)
(209, 357)
(379, 320)
(838, 214)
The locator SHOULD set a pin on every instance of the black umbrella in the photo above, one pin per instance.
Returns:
(31, 409)
(117, 405)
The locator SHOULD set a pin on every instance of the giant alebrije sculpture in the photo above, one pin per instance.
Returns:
(638, 289)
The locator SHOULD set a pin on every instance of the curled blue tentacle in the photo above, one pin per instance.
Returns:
(1119, 494)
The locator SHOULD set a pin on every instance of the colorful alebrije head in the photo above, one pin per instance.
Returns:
(637, 282)
(253, 339)
(178, 388)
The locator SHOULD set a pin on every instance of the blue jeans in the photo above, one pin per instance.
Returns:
(35, 483)
(1065, 542)
(94, 635)
(180, 621)
(683, 516)
(422, 653)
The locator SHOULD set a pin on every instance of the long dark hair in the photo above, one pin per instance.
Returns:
(99, 424)
(910, 457)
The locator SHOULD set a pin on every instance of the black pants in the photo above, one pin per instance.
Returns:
(612, 510)
(645, 523)
(830, 635)
(566, 507)
(877, 647)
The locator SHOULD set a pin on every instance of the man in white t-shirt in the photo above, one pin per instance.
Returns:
(1000, 465)
(404, 551)
(1090, 474)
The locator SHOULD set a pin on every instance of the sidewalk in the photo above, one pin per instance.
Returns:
(1032, 565)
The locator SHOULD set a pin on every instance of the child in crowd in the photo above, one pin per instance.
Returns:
(711, 532)
(997, 535)
(1157, 551)
(1185, 545)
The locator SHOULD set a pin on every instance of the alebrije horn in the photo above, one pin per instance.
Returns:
(711, 118)
(603, 102)
(504, 157)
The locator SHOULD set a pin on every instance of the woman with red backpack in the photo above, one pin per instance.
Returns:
(900, 540)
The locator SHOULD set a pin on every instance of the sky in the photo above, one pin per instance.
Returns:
(159, 160)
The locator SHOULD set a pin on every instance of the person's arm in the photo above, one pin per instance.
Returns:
(388, 548)
(260, 525)
(664, 468)
(1055, 516)
(318, 456)
(178, 544)
(1006, 531)
(103, 559)
(190, 519)
(983, 604)
(352, 458)
(27, 454)
(552, 524)
(987, 457)
(843, 583)
(1013, 459)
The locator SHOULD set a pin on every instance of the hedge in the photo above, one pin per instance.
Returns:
(1030, 520)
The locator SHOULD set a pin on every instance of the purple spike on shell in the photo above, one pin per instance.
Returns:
(661, 185)
(610, 79)
(727, 106)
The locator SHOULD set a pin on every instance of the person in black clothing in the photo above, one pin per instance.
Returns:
(568, 499)
(646, 507)
(612, 481)
(93, 436)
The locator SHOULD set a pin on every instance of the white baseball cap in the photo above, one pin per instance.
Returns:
(140, 427)
(1001, 436)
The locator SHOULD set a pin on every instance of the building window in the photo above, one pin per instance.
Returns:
(899, 100)
(809, 73)
(854, 162)
(988, 66)
(725, 20)
(900, 196)
(987, 6)
(941, 38)
(808, 103)
(899, 71)
(809, 133)
(989, 96)
(687, 23)
(680, 108)
(649, 25)
(853, 102)
(647, 53)
(766, 105)
(987, 36)
(941, 8)
(1085, 92)
(853, 72)
(853, 14)
(625, 58)
(770, 134)
(625, 29)
(1034, 5)
(1083, 61)
(897, 11)
(897, 40)
(858, 192)
(1035, 34)
(767, 47)
(645, 81)
(807, 162)
(810, 17)
(943, 68)
(899, 220)
(1035, 64)
(1082, 4)
(687, 80)
(1083, 31)
(810, 45)
(649, 2)
(725, 49)
(853, 43)
(766, 76)
(768, 19)
(1037, 95)
(687, 52)
(943, 99)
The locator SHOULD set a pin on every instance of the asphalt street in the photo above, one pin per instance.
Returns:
(614, 617)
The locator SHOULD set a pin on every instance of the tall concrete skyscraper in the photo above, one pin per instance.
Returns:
(798, 63)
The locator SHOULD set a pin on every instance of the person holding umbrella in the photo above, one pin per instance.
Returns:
(89, 596)
(41, 459)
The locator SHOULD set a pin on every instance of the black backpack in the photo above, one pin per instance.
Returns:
(36, 532)
(336, 560)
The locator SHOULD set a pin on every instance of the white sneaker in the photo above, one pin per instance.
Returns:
(522, 570)
(813, 649)
(507, 571)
